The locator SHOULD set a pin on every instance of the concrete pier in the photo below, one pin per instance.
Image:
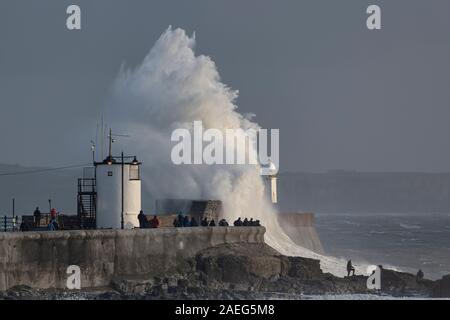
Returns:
(40, 259)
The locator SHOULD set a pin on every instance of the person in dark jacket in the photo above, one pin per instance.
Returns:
(419, 275)
(53, 225)
(223, 223)
(193, 222)
(251, 223)
(238, 222)
(350, 268)
(204, 222)
(180, 220)
(245, 223)
(142, 220)
(186, 222)
(175, 223)
(212, 223)
(257, 223)
(37, 217)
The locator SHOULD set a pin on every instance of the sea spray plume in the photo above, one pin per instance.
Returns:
(171, 89)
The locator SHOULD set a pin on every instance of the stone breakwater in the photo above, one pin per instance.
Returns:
(300, 227)
(40, 259)
(242, 271)
(178, 263)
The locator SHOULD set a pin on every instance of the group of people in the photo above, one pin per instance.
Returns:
(144, 223)
(183, 221)
(51, 226)
(247, 223)
(212, 223)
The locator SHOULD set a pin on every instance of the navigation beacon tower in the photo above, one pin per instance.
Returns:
(269, 173)
(110, 196)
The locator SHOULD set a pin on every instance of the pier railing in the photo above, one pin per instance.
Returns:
(9, 223)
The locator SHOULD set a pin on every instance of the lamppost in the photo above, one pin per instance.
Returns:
(122, 222)
(13, 214)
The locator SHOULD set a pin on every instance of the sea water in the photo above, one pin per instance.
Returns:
(407, 241)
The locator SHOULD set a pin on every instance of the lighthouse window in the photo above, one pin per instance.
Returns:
(134, 173)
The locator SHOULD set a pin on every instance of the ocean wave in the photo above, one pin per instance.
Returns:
(410, 239)
(377, 232)
(409, 226)
(351, 223)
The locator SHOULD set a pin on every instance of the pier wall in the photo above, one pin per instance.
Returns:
(40, 259)
(300, 227)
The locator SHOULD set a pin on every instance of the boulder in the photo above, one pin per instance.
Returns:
(441, 288)
(404, 284)
(21, 292)
(241, 264)
(304, 268)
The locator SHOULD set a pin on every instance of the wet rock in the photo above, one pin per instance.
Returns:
(441, 288)
(110, 295)
(348, 285)
(21, 292)
(132, 287)
(304, 269)
(403, 284)
(237, 264)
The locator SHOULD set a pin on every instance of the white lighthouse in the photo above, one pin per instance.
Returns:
(269, 173)
(118, 187)
(111, 197)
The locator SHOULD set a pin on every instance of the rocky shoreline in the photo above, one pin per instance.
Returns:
(244, 271)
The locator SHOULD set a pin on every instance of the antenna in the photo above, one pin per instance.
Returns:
(102, 138)
(112, 140)
(96, 135)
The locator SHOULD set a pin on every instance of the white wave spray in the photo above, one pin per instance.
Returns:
(171, 89)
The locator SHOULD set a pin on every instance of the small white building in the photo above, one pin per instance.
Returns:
(118, 186)
(110, 198)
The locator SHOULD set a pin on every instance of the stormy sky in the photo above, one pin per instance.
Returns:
(342, 96)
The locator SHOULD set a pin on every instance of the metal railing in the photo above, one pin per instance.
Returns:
(86, 185)
(9, 223)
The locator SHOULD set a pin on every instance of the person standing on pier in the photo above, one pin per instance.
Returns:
(37, 217)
